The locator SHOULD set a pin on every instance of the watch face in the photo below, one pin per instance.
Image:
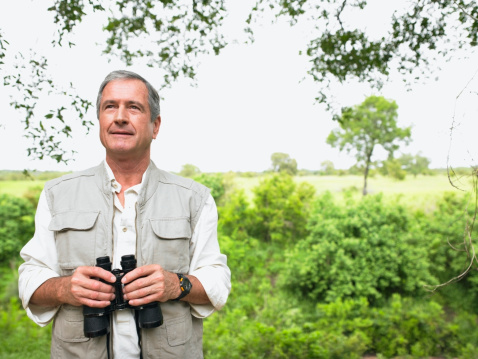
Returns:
(186, 284)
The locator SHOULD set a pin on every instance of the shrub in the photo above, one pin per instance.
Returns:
(20, 337)
(445, 229)
(16, 226)
(281, 209)
(235, 216)
(363, 248)
(215, 182)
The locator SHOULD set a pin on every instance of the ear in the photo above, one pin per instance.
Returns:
(156, 126)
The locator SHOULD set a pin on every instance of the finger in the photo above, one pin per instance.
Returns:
(81, 281)
(81, 293)
(99, 273)
(142, 301)
(143, 271)
(139, 283)
(94, 303)
(142, 292)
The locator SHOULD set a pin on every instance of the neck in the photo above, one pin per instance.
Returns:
(128, 172)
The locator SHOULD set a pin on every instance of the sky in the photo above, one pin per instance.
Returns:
(249, 102)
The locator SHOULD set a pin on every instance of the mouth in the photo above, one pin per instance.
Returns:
(121, 133)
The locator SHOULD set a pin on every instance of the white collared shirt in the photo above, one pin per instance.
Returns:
(207, 264)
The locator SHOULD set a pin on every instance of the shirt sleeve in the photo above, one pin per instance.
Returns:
(40, 264)
(207, 263)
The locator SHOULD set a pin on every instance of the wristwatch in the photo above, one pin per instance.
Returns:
(185, 286)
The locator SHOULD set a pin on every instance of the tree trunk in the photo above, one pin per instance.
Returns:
(365, 173)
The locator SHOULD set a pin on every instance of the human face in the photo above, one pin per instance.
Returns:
(126, 130)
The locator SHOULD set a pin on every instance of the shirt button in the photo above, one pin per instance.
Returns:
(125, 229)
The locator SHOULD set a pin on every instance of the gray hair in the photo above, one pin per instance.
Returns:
(153, 96)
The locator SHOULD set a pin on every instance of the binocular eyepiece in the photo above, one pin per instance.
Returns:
(97, 320)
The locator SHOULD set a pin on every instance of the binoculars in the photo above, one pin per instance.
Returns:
(97, 320)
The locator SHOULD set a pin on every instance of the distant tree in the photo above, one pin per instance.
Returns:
(327, 168)
(393, 168)
(189, 170)
(282, 162)
(364, 127)
(415, 165)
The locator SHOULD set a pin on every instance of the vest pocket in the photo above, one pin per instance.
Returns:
(172, 340)
(171, 245)
(179, 330)
(171, 228)
(69, 324)
(75, 236)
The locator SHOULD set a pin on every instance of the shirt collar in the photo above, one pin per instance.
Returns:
(116, 186)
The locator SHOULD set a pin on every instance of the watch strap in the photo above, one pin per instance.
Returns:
(185, 286)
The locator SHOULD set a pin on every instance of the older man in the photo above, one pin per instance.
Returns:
(125, 206)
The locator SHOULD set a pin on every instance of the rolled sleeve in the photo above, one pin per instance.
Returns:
(207, 264)
(40, 265)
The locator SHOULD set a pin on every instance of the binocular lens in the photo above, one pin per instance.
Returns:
(149, 316)
(96, 326)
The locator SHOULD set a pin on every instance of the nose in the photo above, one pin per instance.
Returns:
(121, 116)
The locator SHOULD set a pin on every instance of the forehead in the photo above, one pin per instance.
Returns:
(125, 89)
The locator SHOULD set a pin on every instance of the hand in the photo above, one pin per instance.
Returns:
(150, 283)
(84, 288)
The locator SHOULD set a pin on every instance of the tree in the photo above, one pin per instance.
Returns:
(364, 127)
(170, 35)
(189, 170)
(392, 167)
(327, 168)
(282, 162)
(415, 165)
(176, 33)
(341, 48)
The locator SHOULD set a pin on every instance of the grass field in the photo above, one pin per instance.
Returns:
(19, 188)
(410, 186)
(417, 192)
(420, 187)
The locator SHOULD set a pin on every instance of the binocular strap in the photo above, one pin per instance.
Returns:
(138, 331)
(108, 344)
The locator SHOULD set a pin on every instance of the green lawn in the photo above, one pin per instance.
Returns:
(19, 188)
(411, 185)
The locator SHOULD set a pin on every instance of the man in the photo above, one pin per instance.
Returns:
(125, 206)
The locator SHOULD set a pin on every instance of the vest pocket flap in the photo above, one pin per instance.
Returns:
(171, 228)
(76, 220)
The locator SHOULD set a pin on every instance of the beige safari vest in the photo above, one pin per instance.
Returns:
(167, 212)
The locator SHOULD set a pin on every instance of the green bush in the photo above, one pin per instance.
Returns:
(281, 209)
(446, 229)
(361, 248)
(16, 226)
(20, 337)
(215, 182)
(235, 216)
